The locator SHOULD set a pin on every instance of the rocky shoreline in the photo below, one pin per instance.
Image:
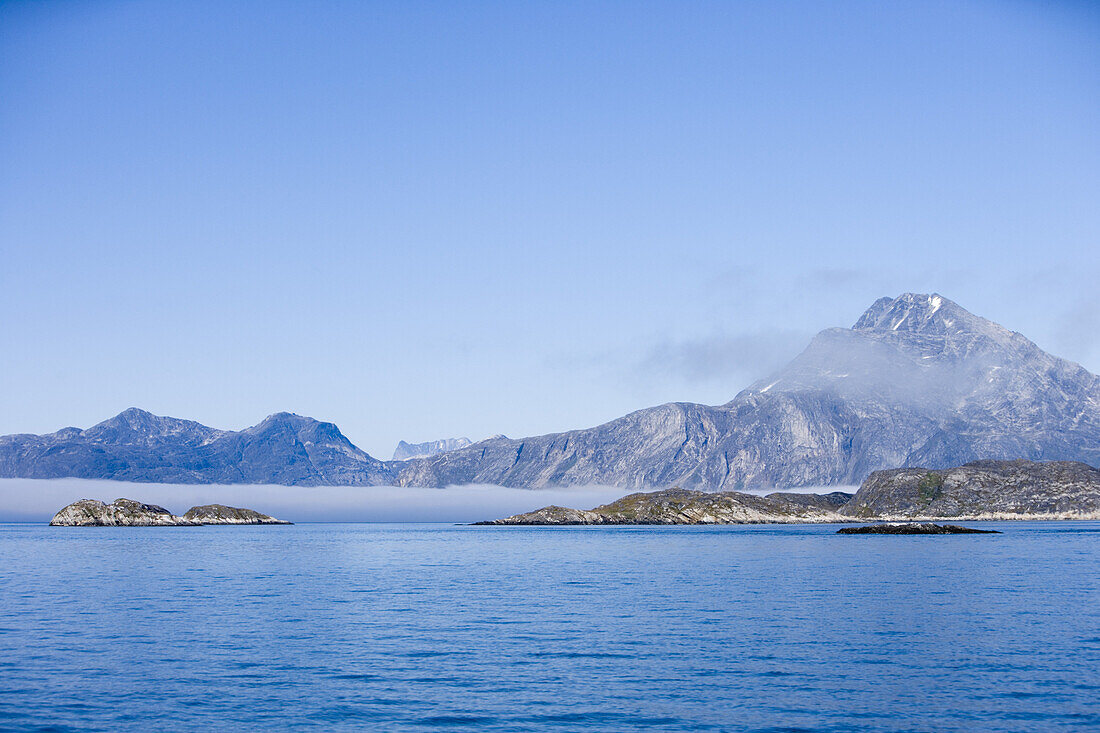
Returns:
(129, 513)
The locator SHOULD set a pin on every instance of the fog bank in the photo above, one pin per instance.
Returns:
(37, 500)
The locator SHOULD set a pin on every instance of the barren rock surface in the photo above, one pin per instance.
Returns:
(119, 513)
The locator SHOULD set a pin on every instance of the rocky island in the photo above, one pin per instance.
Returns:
(685, 506)
(975, 491)
(119, 513)
(221, 514)
(130, 513)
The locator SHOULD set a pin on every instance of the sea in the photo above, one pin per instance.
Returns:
(411, 627)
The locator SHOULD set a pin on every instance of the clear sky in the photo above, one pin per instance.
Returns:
(425, 220)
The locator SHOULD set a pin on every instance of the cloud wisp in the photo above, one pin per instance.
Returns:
(736, 359)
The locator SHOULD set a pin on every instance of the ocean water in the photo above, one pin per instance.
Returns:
(417, 627)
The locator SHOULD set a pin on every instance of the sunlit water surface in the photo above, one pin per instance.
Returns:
(408, 627)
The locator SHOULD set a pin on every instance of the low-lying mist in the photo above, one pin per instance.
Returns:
(37, 500)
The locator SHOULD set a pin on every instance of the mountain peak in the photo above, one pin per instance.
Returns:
(284, 421)
(135, 424)
(286, 417)
(930, 314)
(305, 428)
(133, 418)
(907, 312)
(406, 451)
(135, 412)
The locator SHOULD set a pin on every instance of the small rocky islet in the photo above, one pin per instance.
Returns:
(913, 528)
(130, 513)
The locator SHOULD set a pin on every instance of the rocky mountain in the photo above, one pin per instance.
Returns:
(138, 446)
(981, 490)
(406, 451)
(684, 506)
(917, 381)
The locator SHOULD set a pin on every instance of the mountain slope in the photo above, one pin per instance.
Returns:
(917, 381)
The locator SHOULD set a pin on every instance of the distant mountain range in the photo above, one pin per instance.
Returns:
(138, 446)
(918, 381)
(406, 451)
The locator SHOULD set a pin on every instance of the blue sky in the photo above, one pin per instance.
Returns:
(424, 220)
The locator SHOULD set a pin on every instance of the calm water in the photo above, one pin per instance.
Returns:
(410, 627)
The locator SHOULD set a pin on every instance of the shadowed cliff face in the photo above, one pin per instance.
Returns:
(918, 381)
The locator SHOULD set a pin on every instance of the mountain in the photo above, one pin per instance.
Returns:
(138, 446)
(917, 381)
(406, 451)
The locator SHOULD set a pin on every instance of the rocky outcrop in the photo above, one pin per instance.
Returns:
(917, 381)
(119, 513)
(222, 514)
(913, 528)
(981, 490)
(682, 506)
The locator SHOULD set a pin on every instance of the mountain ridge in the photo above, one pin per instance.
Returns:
(918, 380)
